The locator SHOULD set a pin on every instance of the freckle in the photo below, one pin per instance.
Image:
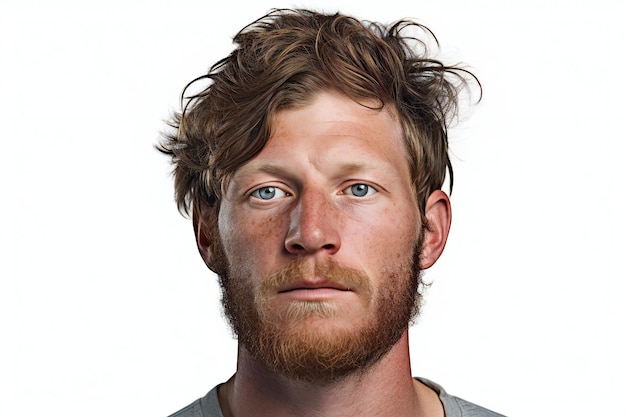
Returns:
(264, 223)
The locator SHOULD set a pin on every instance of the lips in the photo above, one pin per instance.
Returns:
(313, 285)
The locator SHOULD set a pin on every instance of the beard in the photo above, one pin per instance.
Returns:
(321, 353)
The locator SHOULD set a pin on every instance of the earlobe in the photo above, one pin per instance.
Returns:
(438, 217)
(204, 223)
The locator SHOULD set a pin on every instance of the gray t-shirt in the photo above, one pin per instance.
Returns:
(209, 406)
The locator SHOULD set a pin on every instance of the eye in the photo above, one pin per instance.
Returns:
(360, 190)
(268, 193)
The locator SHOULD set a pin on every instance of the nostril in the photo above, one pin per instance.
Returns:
(297, 247)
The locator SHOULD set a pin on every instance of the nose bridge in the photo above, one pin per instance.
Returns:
(313, 224)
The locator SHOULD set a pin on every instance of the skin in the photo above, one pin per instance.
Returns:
(337, 178)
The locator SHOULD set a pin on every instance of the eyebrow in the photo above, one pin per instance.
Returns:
(265, 167)
(354, 167)
(275, 169)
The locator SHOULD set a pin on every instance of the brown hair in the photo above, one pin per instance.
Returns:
(281, 61)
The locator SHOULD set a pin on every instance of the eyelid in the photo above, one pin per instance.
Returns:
(255, 193)
(371, 189)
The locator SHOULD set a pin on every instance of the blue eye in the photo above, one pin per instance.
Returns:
(360, 190)
(268, 193)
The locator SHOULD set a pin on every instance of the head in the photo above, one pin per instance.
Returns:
(283, 63)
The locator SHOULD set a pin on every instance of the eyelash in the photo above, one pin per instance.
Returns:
(367, 194)
(257, 192)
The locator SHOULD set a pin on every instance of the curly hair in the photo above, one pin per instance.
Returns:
(281, 61)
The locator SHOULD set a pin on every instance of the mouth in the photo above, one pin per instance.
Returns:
(313, 285)
(314, 291)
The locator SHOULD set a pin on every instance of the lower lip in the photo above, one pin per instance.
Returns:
(314, 294)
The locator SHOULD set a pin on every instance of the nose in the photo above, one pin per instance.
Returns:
(313, 225)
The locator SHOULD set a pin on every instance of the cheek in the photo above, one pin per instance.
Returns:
(388, 237)
(250, 238)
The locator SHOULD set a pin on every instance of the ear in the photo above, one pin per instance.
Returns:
(205, 228)
(438, 218)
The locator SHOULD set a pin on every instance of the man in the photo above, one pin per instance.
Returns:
(312, 165)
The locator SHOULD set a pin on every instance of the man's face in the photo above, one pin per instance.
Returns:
(319, 236)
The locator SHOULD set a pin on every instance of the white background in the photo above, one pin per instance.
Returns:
(107, 310)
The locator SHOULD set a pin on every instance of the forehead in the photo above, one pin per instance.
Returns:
(332, 123)
(332, 134)
(330, 105)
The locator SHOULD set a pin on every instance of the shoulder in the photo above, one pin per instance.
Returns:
(192, 410)
(207, 406)
(458, 407)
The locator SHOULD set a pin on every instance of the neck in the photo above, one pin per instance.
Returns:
(387, 388)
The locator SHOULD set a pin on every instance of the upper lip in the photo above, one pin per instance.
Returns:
(312, 284)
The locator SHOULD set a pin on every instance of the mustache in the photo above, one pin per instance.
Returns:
(298, 270)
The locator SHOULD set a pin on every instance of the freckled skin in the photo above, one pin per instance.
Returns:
(321, 150)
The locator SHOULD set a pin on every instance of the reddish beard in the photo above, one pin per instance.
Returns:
(299, 311)
(319, 354)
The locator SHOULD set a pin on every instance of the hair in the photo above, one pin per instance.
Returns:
(284, 59)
